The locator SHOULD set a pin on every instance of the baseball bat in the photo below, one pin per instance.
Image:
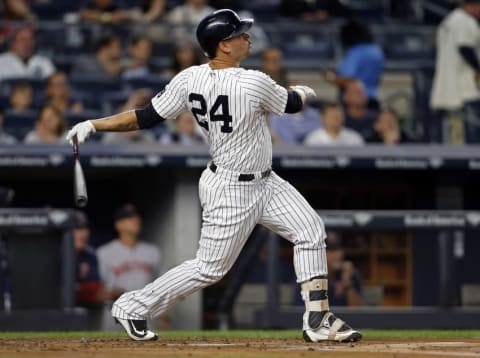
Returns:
(79, 184)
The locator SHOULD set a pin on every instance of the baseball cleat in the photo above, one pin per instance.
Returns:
(137, 329)
(330, 329)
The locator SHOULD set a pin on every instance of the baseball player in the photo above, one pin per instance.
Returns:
(238, 189)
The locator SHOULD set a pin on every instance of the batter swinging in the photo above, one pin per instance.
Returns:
(238, 189)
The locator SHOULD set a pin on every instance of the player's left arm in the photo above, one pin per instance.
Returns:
(142, 118)
(297, 97)
(278, 100)
(168, 103)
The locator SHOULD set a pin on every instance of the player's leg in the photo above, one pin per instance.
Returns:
(230, 212)
(289, 215)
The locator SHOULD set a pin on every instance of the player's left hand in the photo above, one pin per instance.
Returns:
(305, 92)
(83, 130)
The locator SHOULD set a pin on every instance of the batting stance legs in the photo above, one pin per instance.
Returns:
(231, 209)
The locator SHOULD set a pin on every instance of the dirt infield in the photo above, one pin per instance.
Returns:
(219, 348)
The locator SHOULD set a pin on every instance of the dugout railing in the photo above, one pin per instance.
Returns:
(37, 271)
(446, 315)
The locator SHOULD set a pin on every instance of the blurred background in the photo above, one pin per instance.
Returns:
(388, 154)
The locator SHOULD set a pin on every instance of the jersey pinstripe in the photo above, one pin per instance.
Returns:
(231, 106)
(249, 95)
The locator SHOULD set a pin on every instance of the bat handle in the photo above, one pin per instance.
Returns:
(75, 146)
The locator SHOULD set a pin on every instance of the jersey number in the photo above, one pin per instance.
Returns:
(218, 113)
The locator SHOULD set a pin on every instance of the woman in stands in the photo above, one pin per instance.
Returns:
(49, 127)
(59, 94)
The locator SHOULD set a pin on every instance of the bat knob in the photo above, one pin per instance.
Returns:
(81, 201)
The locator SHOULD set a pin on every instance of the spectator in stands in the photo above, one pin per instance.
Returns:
(139, 56)
(5, 138)
(137, 99)
(272, 65)
(344, 283)
(185, 132)
(88, 290)
(148, 10)
(20, 60)
(49, 128)
(104, 12)
(21, 97)
(387, 129)
(185, 55)
(357, 114)
(455, 94)
(126, 263)
(333, 131)
(106, 62)
(313, 10)
(58, 94)
(190, 13)
(293, 128)
(362, 60)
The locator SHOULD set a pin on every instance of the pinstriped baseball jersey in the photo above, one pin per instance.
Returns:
(231, 106)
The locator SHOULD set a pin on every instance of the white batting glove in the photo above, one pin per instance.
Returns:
(83, 130)
(305, 92)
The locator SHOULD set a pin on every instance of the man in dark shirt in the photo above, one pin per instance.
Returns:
(344, 284)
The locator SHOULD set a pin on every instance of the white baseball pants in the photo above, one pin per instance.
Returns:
(231, 209)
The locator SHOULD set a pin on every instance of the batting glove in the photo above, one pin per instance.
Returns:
(83, 130)
(305, 92)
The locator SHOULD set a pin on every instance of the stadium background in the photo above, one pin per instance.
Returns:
(161, 179)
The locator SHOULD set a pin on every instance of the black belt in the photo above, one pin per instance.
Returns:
(243, 177)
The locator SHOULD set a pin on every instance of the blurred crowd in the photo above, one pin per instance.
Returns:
(94, 65)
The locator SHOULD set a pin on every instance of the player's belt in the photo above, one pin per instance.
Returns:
(243, 177)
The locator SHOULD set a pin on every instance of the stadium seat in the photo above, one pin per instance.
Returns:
(58, 38)
(19, 124)
(317, 50)
(95, 84)
(163, 49)
(154, 83)
(54, 9)
(262, 12)
(37, 84)
(368, 9)
(408, 46)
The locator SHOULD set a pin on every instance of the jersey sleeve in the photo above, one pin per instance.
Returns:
(171, 102)
(467, 34)
(273, 97)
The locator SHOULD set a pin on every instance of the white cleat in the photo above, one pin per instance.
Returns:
(331, 329)
(137, 329)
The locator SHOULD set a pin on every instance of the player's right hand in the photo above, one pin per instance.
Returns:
(83, 130)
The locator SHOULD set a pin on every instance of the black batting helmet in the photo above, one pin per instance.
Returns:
(220, 25)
